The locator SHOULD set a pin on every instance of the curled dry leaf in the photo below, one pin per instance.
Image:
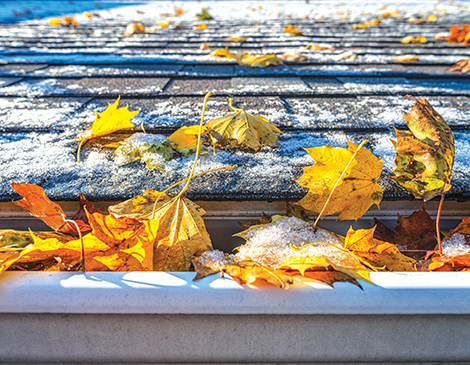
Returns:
(357, 189)
(372, 23)
(204, 47)
(249, 272)
(201, 26)
(260, 60)
(461, 66)
(459, 35)
(224, 53)
(242, 129)
(348, 264)
(204, 15)
(66, 21)
(406, 58)
(292, 31)
(134, 28)
(316, 47)
(117, 244)
(181, 233)
(416, 232)
(237, 39)
(411, 39)
(111, 120)
(264, 220)
(425, 153)
(381, 255)
(40, 206)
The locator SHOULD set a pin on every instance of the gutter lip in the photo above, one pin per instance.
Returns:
(394, 293)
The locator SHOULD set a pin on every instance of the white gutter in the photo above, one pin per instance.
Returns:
(158, 317)
(176, 293)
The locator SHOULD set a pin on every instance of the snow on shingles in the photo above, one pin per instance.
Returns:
(50, 161)
(35, 88)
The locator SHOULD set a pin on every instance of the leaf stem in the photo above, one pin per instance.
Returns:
(438, 231)
(82, 256)
(80, 148)
(191, 175)
(337, 182)
(198, 144)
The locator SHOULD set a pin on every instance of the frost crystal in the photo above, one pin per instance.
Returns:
(455, 245)
(270, 245)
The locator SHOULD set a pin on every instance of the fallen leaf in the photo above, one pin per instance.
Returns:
(295, 210)
(249, 272)
(448, 263)
(237, 39)
(204, 15)
(66, 21)
(181, 233)
(406, 58)
(224, 53)
(416, 232)
(358, 188)
(292, 31)
(242, 129)
(55, 22)
(116, 244)
(178, 11)
(81, 214)
(349, 264)
(368, 24)
(163, 24)
(462, 66)
(111, 120)
(204, 46)
(153, 150)
(330, 277)
(462, 230)
(264, 220)
(134, 28)
(185, 139)
(459, 35)
(295, 57)
(260, 61)
(40, 206)
(377, 253)
(316, 47)
(431, 18)
(425, 153)
(411, 39)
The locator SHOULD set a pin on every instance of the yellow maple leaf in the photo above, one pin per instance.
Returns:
(406, 58)
(117, 244)
(260, 60)
(111, 120)
(250, 272)
(377, 253)
(350, 174)
(292, 31)
(134, 28)
(243, 129)
(181, 234)
(185, 139)
(224, 53)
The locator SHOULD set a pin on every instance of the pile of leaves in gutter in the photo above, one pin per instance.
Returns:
(159, 232)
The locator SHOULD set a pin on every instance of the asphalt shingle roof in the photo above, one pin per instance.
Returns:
(52, 78)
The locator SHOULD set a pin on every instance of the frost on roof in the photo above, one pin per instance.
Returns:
(49, 160)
